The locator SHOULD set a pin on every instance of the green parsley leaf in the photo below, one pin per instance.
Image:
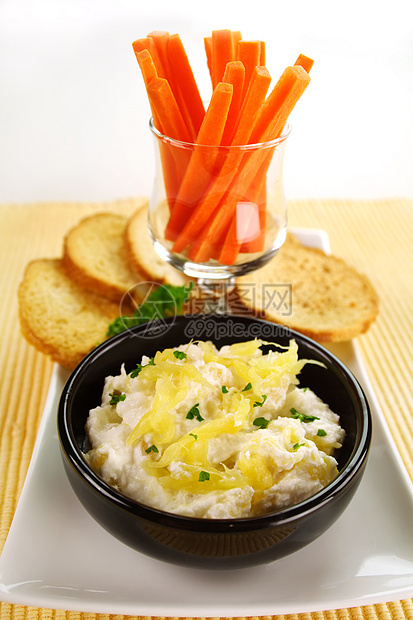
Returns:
(224, 389)
(321, 432)
(194, 413)
(203, 475)
(139, 367)
(151, 448)
(180, 355)
(302, 416)
(116, 398)
(297, 445)
(135, 371)
(258, 403)
(247, 387)
(194, 436)
(261, 422)
(163, 301)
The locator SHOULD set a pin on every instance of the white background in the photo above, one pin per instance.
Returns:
(74, 113)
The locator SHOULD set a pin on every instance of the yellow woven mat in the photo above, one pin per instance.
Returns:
(376, 237)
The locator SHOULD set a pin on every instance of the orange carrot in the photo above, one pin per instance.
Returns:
(236, 36)
(168, 157)
(167, 119)
(222, 53)
(160, 41)
(234, 74)
(163, 103)
(255, 242)
(148, 44)
(246, 233)
(248, 52)
(257, 90)
(262, 54)
(182, 75)
(305, 62)
(246, 214)
(147, 66)
(201, 165)
(279, 104)
(196, 219)
(208, 53)
(149, 73)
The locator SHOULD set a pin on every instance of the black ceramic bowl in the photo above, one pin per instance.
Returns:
(212, 543)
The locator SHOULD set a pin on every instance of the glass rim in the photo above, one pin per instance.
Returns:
(254, 146)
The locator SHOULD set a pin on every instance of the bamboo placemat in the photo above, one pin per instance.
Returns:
(375, 236)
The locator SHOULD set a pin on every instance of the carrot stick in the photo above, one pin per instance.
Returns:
(208, 53)
(262, 54)
(163, 103)
(236, 36)
(256, 92)
(197, 217)
(160, 41)
(148, 44)
(246, 233)
(167, 119)
(255, 243)
(169, 168)
(182, 75)
(246, 218)
(147, 66)
(248, 52)
(234, 74)
(305, 62)
(279, 104)
(201, 165)
(222, 53)
(149, 73)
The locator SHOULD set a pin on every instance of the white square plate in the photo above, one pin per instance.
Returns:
(56, 556)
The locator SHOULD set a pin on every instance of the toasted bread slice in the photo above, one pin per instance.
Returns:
(142, 256)
(94, 256)
(58, 317)
(318, 295)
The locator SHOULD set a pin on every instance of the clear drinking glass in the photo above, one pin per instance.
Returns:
(217, 212)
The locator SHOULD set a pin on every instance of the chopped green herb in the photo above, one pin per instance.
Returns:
(163, 301)
(116, 398)
(297, 445)
(258, 403)
(194, 413)
(321, 432)
(302, 416)
(203, 475)
(135, 371)
(194, 436)
(139, 367)
(180, 355)
(224, 389)
(151, 448)
(261, 422)
(247, 387)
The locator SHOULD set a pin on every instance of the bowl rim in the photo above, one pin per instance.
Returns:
(73, 454)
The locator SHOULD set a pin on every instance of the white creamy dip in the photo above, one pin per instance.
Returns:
(214, 433)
